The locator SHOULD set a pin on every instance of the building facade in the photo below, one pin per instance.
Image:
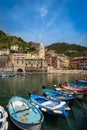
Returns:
(21, 62)
(58, 61)
(31, 61)
(14, 47)
(4, 51)
(79, 62)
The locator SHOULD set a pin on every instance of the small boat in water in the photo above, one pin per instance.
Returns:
(49, 93)
(85, 78)
(49, 106)
(75, 87)
(75, 94)
(3, 119)
(82, 81)
(24, 114)
(6, 75)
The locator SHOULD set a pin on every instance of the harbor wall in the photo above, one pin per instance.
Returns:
(67, 71)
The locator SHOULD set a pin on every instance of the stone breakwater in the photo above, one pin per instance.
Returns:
(67, 71)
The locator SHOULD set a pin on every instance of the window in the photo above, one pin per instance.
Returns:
(17, 62)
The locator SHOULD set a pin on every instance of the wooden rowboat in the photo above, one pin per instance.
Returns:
(50, 106)
(24, 115)
(75, 87)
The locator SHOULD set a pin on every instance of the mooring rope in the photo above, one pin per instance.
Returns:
(79, 103)
(68, 122)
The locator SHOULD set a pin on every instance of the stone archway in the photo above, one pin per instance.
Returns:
(19, 70)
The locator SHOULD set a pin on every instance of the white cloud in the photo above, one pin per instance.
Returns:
(43, 12)
(55, 15)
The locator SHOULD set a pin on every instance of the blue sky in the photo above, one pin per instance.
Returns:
(46, 21)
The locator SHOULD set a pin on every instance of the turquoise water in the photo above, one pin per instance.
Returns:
(21, 86)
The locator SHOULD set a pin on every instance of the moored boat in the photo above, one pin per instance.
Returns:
(75, 94)
(49, 93)
(24, 115)
(82, 81)
(85, 78)
(3, 119)
(49, 106)
(75, 87)
(6, 75)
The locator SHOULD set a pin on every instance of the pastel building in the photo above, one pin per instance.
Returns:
(79, 62)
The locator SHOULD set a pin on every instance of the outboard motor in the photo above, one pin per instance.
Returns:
(29, 93)
(60, 85)
(65, 83)
(43, 87)
(13, 94)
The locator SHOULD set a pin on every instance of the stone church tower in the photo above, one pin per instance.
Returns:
(41, 51)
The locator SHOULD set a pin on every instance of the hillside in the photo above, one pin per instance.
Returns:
(7, 40)
(71, 50)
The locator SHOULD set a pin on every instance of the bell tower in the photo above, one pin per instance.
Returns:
(41, 51)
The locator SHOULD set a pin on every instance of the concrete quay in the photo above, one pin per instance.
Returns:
(67, 71)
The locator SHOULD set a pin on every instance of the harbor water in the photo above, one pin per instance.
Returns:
(21, 86)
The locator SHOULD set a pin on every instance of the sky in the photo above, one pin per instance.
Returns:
(47, 21)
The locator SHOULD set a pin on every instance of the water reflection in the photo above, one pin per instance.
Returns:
(22, 85)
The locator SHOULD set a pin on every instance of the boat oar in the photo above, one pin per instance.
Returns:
(60, 85)
(22, 110)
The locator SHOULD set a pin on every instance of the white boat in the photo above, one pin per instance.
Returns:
(75, 94)
(3, 119)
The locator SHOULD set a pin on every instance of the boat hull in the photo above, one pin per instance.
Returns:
(82, 81)
(79, 95)
(24, 114)
(7, 75)
(75, 94)
(58, 96)
(64, 113)
(3, 119)
(23, 126)
(83, 90)
(49, 106)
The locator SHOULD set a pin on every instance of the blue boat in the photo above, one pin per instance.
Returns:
(3, 119)
(24, 114)
(6, 75)
(82, 81)
(76, 87)
(49, 93)
(76, 94)
(50, 106)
